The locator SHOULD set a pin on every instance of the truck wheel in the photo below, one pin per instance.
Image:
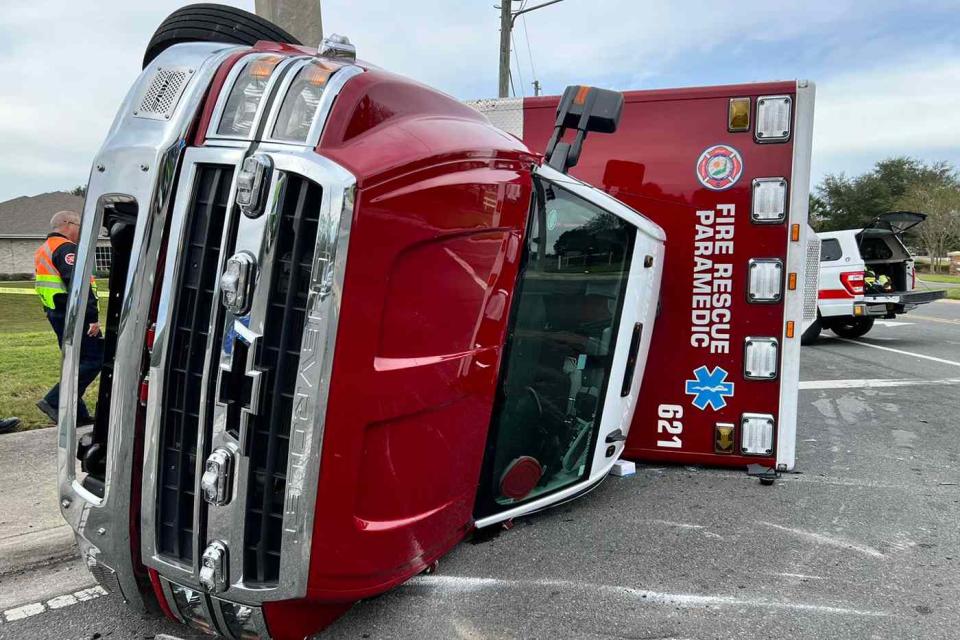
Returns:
(213, 23)
(852, 327)
(812, 333)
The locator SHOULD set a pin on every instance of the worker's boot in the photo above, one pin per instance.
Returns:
(9, 424)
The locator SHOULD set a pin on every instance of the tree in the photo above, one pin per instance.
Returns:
(940, 200)
(842, 202)
(80, 190)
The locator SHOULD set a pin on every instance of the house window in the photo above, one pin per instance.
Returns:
(104, 258)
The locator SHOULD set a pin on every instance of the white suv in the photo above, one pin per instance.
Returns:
(865, 274)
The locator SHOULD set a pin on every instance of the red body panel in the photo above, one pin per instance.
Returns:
(432, 262)
(650, 163)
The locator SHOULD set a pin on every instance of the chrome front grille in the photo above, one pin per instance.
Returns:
(248, 391)
(279, 356)
(184, 393)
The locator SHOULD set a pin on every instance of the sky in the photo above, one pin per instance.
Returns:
(887, 73)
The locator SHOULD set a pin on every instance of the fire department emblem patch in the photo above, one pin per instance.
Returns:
(719, 167)
(70, 258)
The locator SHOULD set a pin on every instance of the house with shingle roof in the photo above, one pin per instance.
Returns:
(25, 222)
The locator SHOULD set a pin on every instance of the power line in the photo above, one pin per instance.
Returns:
(507, 19)
(533, 69)
(516, 59)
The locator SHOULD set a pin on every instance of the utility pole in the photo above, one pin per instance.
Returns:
(299, 18)
(506, 25)
(507, 18)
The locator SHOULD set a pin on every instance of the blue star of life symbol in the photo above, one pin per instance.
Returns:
(709, 388)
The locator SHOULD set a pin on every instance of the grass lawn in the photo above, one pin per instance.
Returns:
(29, 359)
(936, 277)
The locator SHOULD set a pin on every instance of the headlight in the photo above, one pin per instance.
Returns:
(245, 98)
(189, 604)
(300, 104)
(242, 621)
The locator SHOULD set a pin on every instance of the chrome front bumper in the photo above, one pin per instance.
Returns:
(137, 163)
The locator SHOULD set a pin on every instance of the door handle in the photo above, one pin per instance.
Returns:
(631, 359)
(615, 436)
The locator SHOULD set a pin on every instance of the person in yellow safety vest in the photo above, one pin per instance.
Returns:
(54, 263)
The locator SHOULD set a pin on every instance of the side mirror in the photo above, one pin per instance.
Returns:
(584, 109)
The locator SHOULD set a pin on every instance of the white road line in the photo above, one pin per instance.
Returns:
(36, 608)
(829, 541)
(807, 385)
(900, 351)
(468, 584)
(935, 319)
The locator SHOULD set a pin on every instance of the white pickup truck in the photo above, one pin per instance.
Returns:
(866, 274)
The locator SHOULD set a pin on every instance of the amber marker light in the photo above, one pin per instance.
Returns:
(738, 115)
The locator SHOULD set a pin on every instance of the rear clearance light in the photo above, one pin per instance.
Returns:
(791, 327)
(151, 335)
(756, 434)
(773, 118)
(760, 358)
(792, 282)
(795, 232)
(766, 280)
(853, 282)
(769, 200)
(738, 115)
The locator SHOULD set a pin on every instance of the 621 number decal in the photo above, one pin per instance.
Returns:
(669, 424)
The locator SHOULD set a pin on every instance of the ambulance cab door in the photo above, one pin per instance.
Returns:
(580, 327)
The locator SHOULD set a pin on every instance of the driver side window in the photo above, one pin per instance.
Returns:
(567, 305)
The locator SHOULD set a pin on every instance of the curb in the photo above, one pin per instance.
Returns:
(37, 549)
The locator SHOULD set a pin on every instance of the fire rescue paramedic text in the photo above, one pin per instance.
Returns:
(53, 265)
(712, 279)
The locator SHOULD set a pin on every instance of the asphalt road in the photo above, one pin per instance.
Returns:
(862, 543)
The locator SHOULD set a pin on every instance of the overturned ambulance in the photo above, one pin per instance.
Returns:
(351, 321)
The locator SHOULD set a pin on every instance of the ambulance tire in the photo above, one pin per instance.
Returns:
(852, 327)
(812, 333)
(213, 23)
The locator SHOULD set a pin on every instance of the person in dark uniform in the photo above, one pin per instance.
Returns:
(9, 424)
(53, 264)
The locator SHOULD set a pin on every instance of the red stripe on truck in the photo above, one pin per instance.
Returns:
(833, 294)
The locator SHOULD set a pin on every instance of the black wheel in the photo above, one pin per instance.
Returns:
(812, 333)
(213, 23)
(851, 327)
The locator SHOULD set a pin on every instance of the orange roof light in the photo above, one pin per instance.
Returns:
(317, 74)
(581, 94)
(261, 68)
